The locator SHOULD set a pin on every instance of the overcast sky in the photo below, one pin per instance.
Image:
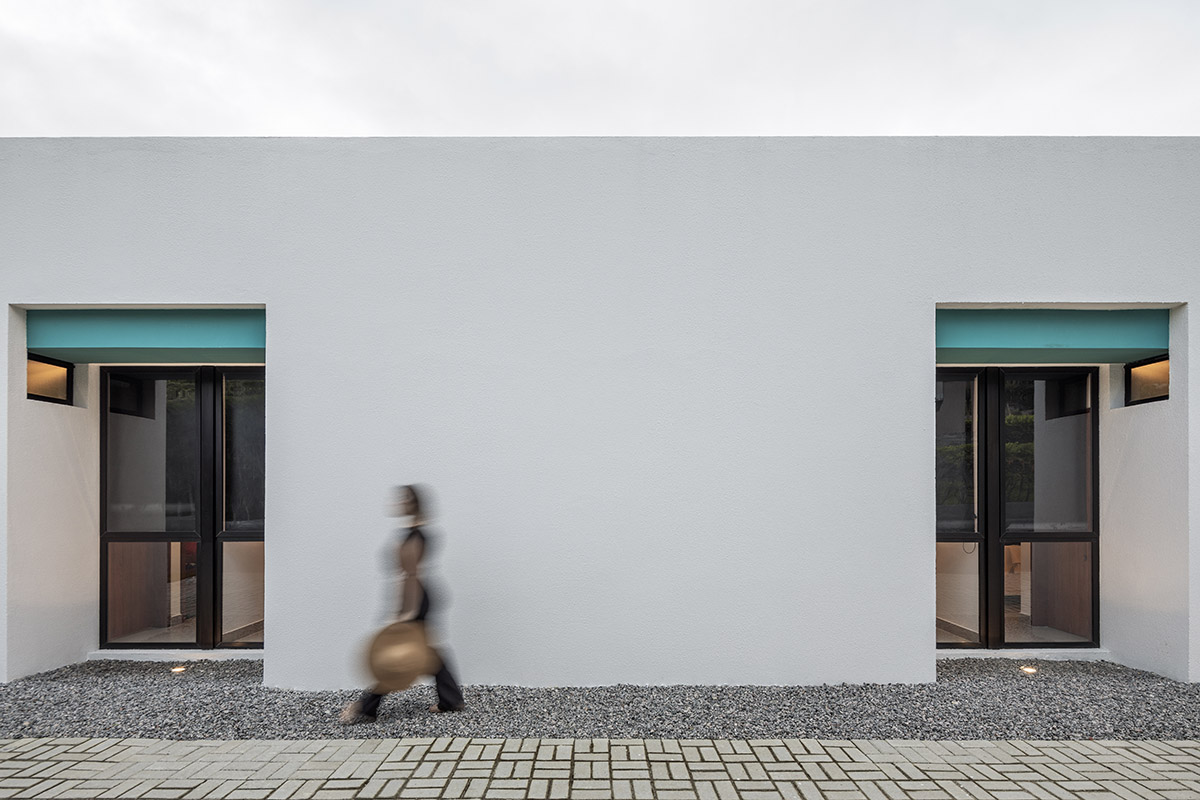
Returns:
(578, 67)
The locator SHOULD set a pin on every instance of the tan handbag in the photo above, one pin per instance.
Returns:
(399, 654)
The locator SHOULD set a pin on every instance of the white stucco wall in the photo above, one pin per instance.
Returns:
(674, 395)
(14, 343)
(1144, 536)
(52, 610)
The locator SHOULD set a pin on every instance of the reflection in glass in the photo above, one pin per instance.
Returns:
(242, 592)
(151, 592)
(1047, 454)
(958, 592)
(152, 460)
(955, 429)
(1048, 592)
(245, 453)
(1150, 381)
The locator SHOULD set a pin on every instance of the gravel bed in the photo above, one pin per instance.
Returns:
(972, 699)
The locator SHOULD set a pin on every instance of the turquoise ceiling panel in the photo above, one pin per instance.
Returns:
(1050, 336)
(132, 336)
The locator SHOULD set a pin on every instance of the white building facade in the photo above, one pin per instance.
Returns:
(687, 405)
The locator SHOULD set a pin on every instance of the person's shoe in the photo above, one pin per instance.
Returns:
(436, 709)
(353, 714)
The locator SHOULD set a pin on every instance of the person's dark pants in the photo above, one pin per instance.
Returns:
(449, 693)
(369, 704)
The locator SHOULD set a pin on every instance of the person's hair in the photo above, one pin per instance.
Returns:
(420, 499)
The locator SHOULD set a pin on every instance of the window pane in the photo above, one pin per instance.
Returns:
(47, 380)
(1149, 381)
(955, 425)
(1048, 592)
(152, 459)
(1047, 454)
(245, 453)
(242, 592)
(958, 592)
(152, 592)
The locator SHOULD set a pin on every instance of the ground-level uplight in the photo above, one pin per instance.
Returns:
(178, 669)
(1029, 670)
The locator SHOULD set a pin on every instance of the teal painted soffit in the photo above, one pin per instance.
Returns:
(1050, 336)
(139, 336)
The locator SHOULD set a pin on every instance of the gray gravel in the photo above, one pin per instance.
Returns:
(972, 699)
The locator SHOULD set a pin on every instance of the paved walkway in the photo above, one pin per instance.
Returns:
(598, 768)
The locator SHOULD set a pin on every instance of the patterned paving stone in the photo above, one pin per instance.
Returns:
(621, 769)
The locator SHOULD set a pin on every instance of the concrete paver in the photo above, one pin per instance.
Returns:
(617, 769)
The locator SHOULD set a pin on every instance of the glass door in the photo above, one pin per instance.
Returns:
(960, 533)
(181, 522)
(1018, 539)
(241, 492)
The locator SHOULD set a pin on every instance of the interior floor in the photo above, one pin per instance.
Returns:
(1017, 629)
(181, 633)
(945, 636)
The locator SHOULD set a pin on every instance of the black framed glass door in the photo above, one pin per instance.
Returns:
(182, 468)
(1017, 507)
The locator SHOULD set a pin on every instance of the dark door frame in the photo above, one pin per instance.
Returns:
(209, 534)
(990, 511)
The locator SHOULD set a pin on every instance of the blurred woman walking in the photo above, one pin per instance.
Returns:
(415, 606)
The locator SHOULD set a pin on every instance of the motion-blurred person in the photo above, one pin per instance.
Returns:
(414, 609)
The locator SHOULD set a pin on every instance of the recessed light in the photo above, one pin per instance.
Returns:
(178, 669)
(1029, 670)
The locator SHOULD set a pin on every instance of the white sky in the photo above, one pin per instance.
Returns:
(583, 67)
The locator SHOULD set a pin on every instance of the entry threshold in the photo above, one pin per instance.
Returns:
(1043, 654)
(231, 654)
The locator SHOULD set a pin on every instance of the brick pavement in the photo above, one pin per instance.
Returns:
(667, 769)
